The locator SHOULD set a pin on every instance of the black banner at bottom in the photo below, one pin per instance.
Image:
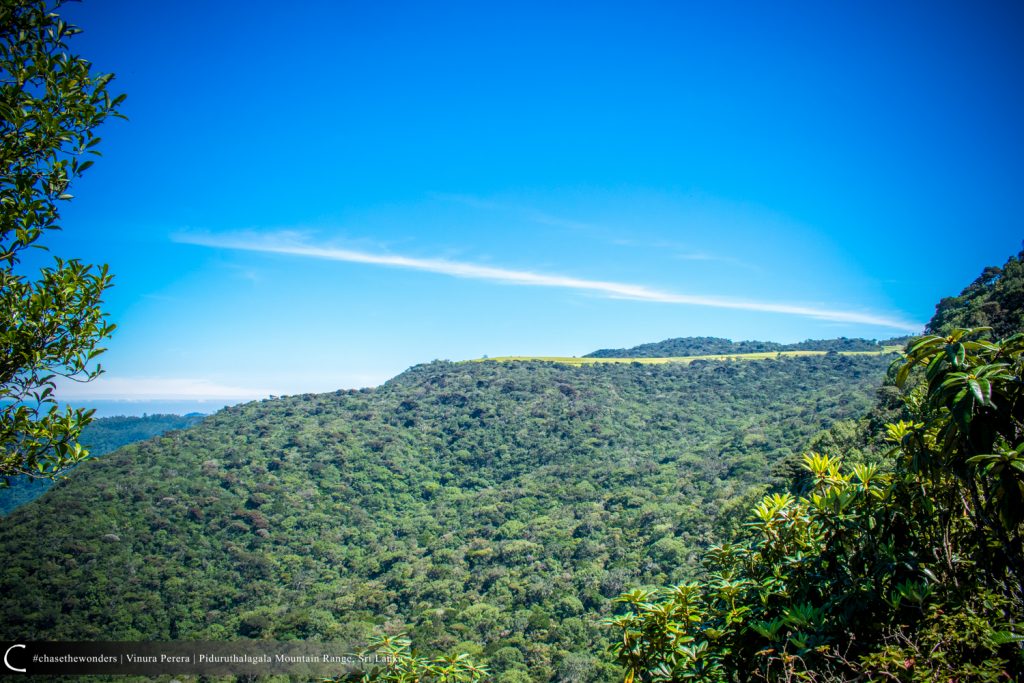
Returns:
(251, 657)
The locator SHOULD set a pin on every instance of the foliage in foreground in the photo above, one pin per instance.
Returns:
(51, 323)
(391, 660)
(909, 571)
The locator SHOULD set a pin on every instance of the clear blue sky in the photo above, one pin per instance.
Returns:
(317, 195)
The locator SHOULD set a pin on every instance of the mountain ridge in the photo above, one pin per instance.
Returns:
(486, 508)
(707, 346)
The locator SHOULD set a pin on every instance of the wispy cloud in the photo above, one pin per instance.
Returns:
(107, 387)
(530, 214)
(682, 252)
(294, 245)
(603, 233)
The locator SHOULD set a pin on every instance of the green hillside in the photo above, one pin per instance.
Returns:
(498, 509)
(995, 299)
(489, 508)
(897, 551)
(103, 435)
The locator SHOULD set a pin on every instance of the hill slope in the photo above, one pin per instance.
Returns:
(995, 299)
(103, 435)
(482, 507)
(898, 553)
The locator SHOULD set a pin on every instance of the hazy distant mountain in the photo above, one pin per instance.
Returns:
(102, 436)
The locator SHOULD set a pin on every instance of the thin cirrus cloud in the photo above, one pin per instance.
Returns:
(293, 245)
(526, 212)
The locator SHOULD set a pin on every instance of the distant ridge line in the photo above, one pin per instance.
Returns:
(703, 346)
(685, 360)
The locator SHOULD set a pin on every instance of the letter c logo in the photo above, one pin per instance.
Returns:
(8, 664)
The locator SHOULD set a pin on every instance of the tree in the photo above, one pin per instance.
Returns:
(51, 323)
(391, 660)
(995, 299)
(907, 570)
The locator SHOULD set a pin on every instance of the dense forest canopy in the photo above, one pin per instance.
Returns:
(487, 508)
(904, 567)
(995, 299)
(836, 517)
(496, 510)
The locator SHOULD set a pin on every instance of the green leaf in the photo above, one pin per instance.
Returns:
(1006, 637)
(975, 388)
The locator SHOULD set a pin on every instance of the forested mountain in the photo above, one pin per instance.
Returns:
(708, 346)
(487, 508)
(897, 550)
(995, 299)
(101, 436)
(497, 509)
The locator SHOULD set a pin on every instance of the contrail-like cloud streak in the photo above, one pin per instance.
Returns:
(284, 244)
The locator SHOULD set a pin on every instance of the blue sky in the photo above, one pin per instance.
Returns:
(317, 195)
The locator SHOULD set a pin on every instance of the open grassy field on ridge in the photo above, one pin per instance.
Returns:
(768, 355)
